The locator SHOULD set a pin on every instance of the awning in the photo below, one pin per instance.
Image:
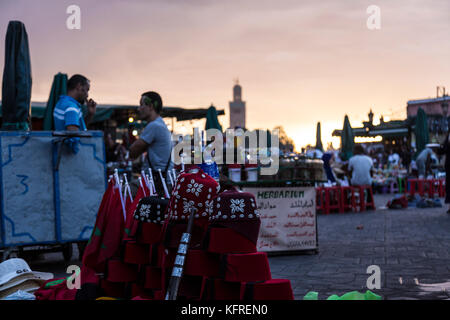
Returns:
(183, 114)
(101, 114)
(36, 112)
(384, 132)
(104, 112)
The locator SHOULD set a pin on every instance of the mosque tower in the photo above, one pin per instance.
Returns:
(237, 108)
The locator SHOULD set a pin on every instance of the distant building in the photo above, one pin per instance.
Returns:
(237, 108)
(432, 107)
(436, 110)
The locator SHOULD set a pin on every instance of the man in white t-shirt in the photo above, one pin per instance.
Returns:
(360, 166)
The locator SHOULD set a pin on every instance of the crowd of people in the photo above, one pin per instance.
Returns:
(378, 168)
(425, 164)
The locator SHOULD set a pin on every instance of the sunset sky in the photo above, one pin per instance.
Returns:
(299, 62)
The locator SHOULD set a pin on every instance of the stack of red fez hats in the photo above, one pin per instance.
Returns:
(222, 262)
(244, 273)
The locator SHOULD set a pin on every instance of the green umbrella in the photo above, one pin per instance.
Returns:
(422, 137)
(212, 122)
(16, 89)
(347, 140)
(319, 145)
(59, 88)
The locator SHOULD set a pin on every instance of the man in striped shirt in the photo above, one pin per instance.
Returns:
(67, 114)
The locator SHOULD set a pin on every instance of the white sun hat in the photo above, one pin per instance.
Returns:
(16, 271)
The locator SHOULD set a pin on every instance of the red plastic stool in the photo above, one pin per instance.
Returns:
(435, 188)
(420, 186)
(363, 203)
(333, 199)
(348, 203)
(320, 199)
(428, 187)
(441, 188)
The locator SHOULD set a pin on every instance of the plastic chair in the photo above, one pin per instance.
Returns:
(420, 186)
(364, 203)
(319, 199)
(435, 188)
(348, 199)
(441, 188)
(332, 199)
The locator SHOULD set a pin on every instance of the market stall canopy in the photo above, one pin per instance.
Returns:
(59, 88)
(391, 129)
(421, 130)
(319, 145)
(182, 114)
(39, 109)
(212, 122)
(347, 140)
(104, 112)
(16, 89)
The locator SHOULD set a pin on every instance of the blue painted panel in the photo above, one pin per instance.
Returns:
(81, 187)
(27, 189)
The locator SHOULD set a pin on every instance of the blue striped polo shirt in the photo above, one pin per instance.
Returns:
(68, 112)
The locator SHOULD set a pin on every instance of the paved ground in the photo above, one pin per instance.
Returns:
(411, 247)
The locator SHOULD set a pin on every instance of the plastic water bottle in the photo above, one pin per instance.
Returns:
(210, 167)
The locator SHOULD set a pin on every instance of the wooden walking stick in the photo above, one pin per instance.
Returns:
(177, 271)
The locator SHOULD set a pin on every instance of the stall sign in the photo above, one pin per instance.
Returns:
(288, 218)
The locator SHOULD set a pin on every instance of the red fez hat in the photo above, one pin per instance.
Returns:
(118, 271)
(217, 289)
(245, 267)
(193, 190)
(237, 210)
(275, 289)
(220, 239)
(199, 263)
(135, 253)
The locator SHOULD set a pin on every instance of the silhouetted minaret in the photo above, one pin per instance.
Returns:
(237, 108)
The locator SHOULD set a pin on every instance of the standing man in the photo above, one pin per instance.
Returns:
(155, 139)
(67, 114)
